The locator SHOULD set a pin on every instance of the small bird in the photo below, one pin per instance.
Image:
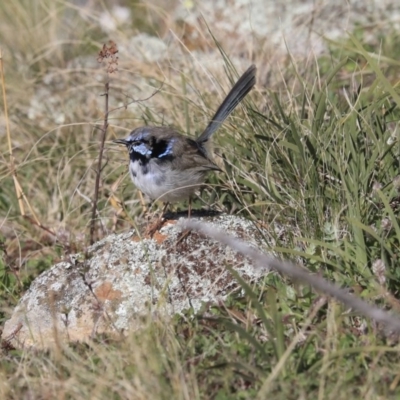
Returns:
(168, 166)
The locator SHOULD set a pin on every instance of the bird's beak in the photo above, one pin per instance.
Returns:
(121, 141)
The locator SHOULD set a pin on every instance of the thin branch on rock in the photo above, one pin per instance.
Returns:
(391, 322)
(107, 53)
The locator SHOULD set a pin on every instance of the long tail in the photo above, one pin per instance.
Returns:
(235, 96)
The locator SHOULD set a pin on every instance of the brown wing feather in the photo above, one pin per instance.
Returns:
(191, 154)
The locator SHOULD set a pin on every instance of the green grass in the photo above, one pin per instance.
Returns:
(317, 156)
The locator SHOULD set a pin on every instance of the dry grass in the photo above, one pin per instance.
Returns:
(313, 154)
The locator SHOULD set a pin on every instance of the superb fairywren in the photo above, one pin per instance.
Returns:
(168, 166)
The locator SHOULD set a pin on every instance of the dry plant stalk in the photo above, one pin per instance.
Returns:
(389, 321)
(108, 54)
(18, 188)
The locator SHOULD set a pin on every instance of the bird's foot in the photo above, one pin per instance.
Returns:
(154, 227)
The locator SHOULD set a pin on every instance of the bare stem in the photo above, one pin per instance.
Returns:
(18, 188)
(99, 164)
(380, 316)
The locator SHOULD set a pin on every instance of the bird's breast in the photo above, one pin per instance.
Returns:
(157, 180)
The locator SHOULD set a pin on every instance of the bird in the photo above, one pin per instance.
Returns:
(168, 166)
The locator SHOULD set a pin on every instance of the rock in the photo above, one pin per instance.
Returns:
(122, 278)
(300, 27)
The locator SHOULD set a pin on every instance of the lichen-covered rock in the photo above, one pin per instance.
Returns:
(123, 277)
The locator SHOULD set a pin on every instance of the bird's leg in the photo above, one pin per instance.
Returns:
(190, 208)
(147, 211)
(164, 210)
(158, 224)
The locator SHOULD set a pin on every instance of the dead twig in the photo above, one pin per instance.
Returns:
(108, 54)
(21, 197)
(389, 321)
